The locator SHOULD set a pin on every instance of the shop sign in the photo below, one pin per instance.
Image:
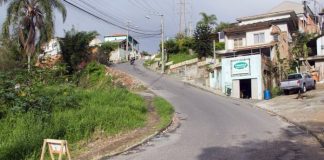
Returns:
(240, 67)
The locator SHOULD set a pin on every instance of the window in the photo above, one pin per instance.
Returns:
(294, 76)
(259, 38)
(238, 42)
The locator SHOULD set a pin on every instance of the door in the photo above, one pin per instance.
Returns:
(255, 89)
(236, 89)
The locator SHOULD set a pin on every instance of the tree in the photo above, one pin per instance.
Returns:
(9, 54)
(145, 53)
(221, 26)
(171, 46)
(76, 49)
(209, 20)
(32, 20)
(104, 51)
(203, 42)
(300, 49)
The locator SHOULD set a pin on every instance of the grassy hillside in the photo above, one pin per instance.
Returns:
(49, 106)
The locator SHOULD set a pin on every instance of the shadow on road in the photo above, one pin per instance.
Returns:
(282, 149)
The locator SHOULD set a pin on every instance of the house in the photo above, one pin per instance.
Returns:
(307, 20)
(254, 44)
(94, 46)
(51, 54)
(121, 54)
(315, 58)
(52, 48)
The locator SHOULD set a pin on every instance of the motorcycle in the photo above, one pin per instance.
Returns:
(132, 61)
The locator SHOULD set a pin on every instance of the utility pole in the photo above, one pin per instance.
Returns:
(127, 37)
(162, 43)
(214, 46)
(162, 40)
(182, 13)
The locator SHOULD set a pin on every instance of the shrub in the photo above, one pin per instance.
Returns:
(76, 49)
(10, 55)
(94, 75)
(276, 91)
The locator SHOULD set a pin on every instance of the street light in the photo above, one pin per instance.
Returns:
(162, 39)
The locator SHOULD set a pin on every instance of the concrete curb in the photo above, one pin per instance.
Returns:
(147, 139)
(302, 127)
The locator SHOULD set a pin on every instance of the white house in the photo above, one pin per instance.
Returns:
(253, 44)
(121, 54)
(52, 48)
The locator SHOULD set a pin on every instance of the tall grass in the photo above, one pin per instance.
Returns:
(181, 57)
(110, 111)
(165, 111)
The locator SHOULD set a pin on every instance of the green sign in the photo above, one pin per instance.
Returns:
(241, 65)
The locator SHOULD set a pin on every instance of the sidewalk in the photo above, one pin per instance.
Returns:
(219, 92)
(307, 113)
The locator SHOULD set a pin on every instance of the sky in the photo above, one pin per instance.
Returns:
(136, 12)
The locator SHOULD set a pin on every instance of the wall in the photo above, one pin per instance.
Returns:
(320, 46)
(250, 36)
(319, 65)
(229, 41)
(52, 48)
(119, 55)
(215, 79)
(255, 72)
(115, 38)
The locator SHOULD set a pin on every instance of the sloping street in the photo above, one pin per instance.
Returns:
(214, 127)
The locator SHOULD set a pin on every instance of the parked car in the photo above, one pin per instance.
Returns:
(298, 82)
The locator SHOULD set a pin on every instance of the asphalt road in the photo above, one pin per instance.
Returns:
(218, 128)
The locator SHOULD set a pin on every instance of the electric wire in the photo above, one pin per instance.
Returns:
(108, 22)
(115, 19)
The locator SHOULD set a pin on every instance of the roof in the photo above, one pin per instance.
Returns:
(248, 27)
(117, 35)
(266, 15)
(288, 5)
(260, 25)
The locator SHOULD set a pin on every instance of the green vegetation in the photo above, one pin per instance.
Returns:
(219, 46)
(76, 50)
(31, 23)
(203, 43)
(207, 20)
(165, 111)
(41, 107)
(181, 57)
(276, 91)
(104, 51)
(149, 62)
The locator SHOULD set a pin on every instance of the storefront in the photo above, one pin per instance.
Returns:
(242, 77)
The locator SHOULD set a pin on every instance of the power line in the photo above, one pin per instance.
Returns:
(116, 19)
(108, 22)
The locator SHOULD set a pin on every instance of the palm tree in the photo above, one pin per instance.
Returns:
(32, 21)
(207, 19)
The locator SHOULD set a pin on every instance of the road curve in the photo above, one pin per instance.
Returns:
(217, 128)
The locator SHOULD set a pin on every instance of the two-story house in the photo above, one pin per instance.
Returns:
(121, 53)
(254, 43)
